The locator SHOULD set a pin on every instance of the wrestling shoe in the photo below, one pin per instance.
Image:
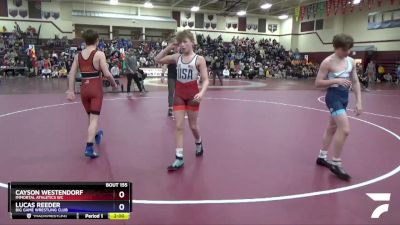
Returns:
(339, 171)
(99, 137)
(176, 165)
(170, 114)
(323, 162)
(90, 152)
(199, 149)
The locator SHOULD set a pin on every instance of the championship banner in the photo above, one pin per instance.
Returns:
(344, 6)
(309, 11)
(315, 9)
(321, 9)
(328, 7)
(297, 13)
(335, 6)
(351, 7)
(361, 5)
(370, 3)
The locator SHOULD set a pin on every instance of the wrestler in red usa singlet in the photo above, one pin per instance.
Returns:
(189, 67)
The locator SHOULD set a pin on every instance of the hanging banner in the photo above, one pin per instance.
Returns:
(297, 13)
(315, 9)
(370, 3)
(321, 9)
(302, 12)
(335, 6)
(343, 6)
(380, 3)
(309, 11)
(328, 6)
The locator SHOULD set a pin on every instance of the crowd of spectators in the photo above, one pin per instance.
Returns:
(248, 58)
(239, 58)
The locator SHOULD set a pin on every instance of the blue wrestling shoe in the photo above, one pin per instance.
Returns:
(99, 137)
(90, 152)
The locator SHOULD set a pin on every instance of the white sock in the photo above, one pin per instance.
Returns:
(323, 154)
(179, 152)
(198, 141)
(336, 161)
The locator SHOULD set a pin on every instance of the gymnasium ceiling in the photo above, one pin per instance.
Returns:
(222, 7)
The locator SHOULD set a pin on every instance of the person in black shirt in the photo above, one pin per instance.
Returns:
(171, 86)
(217, 66)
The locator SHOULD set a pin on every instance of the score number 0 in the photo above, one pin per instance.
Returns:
(121, 206)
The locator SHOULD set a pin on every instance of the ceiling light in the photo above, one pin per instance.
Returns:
(266, 6)
(355, 2)
(195, 8)
(148, 5)
(241, 13)
(114, 2)
(283, 17)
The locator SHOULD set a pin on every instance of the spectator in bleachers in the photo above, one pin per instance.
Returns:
(226, 72)
(63, 72)
(381, 72)
(398, 74)
(17, 28)
(216, 70)
(46, 71)
(371, 71)
(115, 70)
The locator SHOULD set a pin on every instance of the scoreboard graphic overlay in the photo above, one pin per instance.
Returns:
(70, 200)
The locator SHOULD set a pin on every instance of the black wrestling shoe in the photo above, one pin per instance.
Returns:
(339, 172)
(199, 149)
(170, 114)
(323, 162)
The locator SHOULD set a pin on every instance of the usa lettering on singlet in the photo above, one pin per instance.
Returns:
(187, 72)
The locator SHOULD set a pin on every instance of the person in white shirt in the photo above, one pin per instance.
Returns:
(143, 61)
(260, 72)
(115, 71)
(164, 44)
(225, 72)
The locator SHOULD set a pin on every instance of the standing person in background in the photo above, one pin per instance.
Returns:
(164, 68)
(171, 85)
(226, 72)
(90, 63)
(35, 65)
(216, 70)
(381, 72)
(115, 71)
(371, 71)
(132, 72)
(398, 75)
(46, 68)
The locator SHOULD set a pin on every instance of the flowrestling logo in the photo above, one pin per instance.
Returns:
(379, 197)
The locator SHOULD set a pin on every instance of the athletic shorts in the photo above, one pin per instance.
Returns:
(184, 96)
(336, 100)
(92, 95)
